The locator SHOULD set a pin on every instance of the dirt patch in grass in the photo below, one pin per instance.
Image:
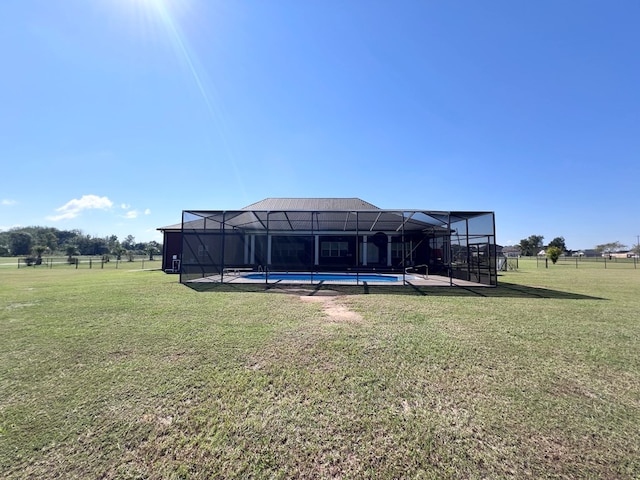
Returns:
(305, 346)
(335, 311)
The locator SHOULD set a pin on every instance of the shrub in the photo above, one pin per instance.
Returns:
(554, 254)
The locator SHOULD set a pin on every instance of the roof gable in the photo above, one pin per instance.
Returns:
(317, 204)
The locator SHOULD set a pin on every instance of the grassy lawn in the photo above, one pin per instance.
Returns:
(123, 373)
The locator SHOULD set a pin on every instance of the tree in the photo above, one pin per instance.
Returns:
(151, 248)
(532, 245)
(71, 250)
(45, 236)
(67, 236)
(39, 250)
(610, 247)
(112, 242)
(128, 242)
(20, 243)
(118, 251)
(558, 242)
(554, 253)
(617, 246)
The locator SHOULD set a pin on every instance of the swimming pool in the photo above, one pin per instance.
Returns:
(322, 277)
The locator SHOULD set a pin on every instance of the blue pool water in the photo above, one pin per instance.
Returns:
(319, 277)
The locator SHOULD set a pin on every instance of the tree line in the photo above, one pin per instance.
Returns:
(37, 241)
(535, 243)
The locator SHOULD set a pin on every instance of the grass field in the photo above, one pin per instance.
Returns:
(123, 373)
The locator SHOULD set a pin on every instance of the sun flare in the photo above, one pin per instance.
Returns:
(147, 18)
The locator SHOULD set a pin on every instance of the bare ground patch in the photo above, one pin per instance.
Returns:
(334, 310)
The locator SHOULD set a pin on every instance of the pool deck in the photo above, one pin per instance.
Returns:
(415, 280)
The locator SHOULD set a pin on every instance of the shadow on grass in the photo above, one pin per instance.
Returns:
(503, 289)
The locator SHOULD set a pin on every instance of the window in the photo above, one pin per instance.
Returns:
(334, 249)
(397, 253)
(291, 250)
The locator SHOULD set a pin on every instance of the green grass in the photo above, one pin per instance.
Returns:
(128, 374)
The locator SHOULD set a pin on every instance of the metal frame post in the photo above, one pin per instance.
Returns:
(222, 248)
(357, 248)
(449, 249)
(404, 254)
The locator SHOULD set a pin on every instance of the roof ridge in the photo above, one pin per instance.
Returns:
(311, 203)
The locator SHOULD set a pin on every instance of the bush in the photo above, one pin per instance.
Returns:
(554, 254)
(33, 261)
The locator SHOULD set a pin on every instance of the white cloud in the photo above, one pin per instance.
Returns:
(147, 211)
(131, 214)
(9, 227)
(124, 206)
(7, 202)
(154, 234)
(74, 207)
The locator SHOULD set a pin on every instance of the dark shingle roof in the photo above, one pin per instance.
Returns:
(319, 214)
(317, 204)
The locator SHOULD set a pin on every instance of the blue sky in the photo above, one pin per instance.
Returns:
(118, 114)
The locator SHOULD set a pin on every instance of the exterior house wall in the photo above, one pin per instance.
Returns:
(172, 245)
(292, 252)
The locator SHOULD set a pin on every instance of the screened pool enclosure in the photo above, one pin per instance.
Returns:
(235, 245)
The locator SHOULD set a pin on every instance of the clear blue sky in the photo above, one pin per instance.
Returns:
(115, 115)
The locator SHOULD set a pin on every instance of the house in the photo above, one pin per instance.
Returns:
(331, 235)
(626, 254)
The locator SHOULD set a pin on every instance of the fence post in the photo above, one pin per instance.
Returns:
(77, 262)
(546, 263)
(90, 263)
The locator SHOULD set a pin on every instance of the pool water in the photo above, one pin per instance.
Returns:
(320, 277)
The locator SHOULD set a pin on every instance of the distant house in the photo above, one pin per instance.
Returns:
(620, 254)
(511, 251)
(331, 235)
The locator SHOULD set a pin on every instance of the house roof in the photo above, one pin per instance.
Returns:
(319, 214)
(175, 226)
(316, 204)
(301, 204)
